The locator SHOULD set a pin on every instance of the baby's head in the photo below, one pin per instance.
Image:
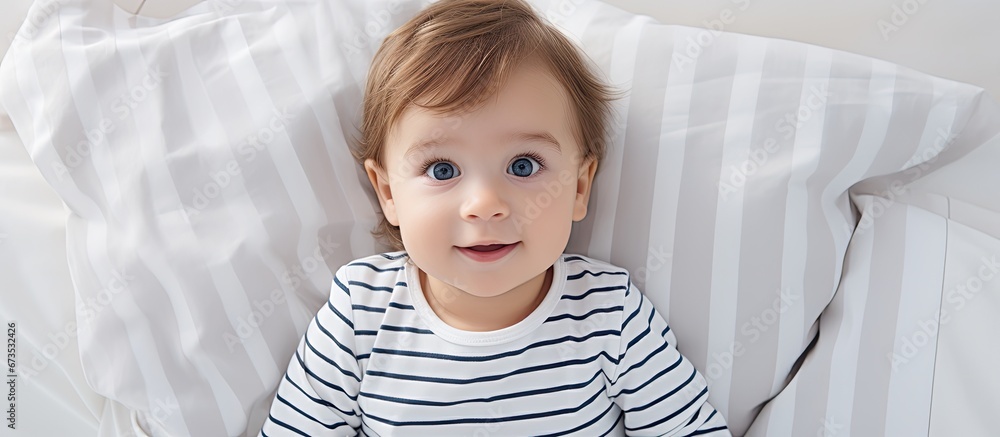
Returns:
(482, 124)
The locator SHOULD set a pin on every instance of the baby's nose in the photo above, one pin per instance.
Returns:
(485, 202)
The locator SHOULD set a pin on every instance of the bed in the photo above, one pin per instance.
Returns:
(820, 225)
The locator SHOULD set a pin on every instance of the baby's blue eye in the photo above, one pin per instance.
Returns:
(524, 166)
(442, 171)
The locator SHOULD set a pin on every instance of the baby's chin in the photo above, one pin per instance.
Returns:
(488, 290)
(480, 287)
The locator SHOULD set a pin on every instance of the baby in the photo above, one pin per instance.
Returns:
(483, 130)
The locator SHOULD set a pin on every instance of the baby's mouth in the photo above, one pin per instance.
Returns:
(488, 247)
(488, 253)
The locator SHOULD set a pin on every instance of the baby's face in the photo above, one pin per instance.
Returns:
(509, 175)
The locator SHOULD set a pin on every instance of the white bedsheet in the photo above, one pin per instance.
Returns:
(52, 394)
(38, 296)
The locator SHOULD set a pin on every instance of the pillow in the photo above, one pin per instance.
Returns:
(884, 363)
(733, 171)
(965, 385)
(918, 297)
(204, 161)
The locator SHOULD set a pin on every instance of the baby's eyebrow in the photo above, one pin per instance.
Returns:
(419, 147)
(521, 137)
(544, 137)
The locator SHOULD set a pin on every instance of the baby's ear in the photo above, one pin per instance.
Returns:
(584, 181)
(380, 181)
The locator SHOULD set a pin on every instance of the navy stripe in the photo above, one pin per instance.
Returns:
(522, 370)
(369, 286)
(513, 395)
(585, 272)
(674, 414)
(478, 420)
(567, 338)
(303, 413)
(575, 258)
(320, 401)
(393, 257)
(693, 418)
(329, 334)
(344, 319)
(632, 315)
(706, 431)
(654, 378)
(387, 269)
(710, 416)
(285, 425)
(401, 306)
(665, 395)
(592, 312)
(330, 361)
(639, 365)
(621, 416)
(405, 329)
(586, 425)
(321, 380)
(641, 334)
(347, 291)
(368, 308)
(621, 353)
(592, 290)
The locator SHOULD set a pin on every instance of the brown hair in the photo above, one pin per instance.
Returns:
(454, 55)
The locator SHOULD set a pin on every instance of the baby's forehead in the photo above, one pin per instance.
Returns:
(429, 127)
(550, 99)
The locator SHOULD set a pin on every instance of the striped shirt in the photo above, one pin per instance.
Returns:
(594, 358)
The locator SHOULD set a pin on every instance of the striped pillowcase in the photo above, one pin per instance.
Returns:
(878, 367)
(204, 161)
(728, 194)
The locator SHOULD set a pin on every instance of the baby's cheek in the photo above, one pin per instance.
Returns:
(540, 204)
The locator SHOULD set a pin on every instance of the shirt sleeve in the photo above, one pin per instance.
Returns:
(318, 395)
(660, 391)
